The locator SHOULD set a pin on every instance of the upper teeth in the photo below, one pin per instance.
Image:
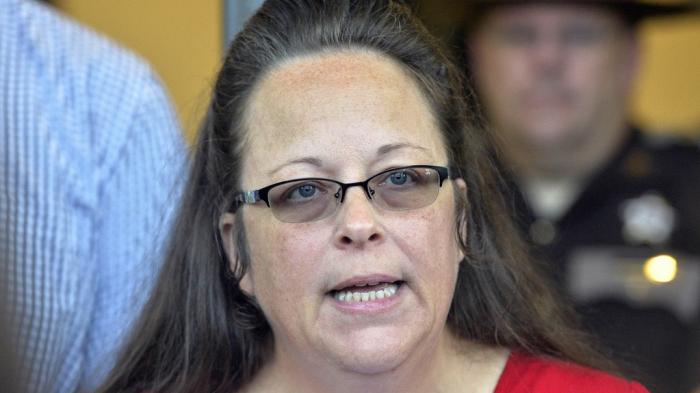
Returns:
(365, 296)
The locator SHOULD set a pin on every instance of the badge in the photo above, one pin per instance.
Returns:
(648, 219)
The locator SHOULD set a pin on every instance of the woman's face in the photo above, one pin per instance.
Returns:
(347, 116)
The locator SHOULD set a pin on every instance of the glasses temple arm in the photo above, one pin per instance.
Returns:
(243, 197)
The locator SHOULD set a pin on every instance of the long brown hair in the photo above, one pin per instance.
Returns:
(200, 333)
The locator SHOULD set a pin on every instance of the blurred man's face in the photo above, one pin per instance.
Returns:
(551, 76)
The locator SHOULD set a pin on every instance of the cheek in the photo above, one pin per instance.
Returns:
(429, 239)
(502, 76)
(282, 264)
(596, 72)
(282, 259)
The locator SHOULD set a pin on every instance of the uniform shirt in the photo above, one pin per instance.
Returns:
(529, 374)
(645, 202)
(91, 156)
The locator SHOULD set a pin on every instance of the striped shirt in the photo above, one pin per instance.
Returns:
(91, 161)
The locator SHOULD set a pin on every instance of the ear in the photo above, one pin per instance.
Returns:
(227, 231)
(461, 187)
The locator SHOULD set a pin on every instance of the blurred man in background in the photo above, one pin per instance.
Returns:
(91, 160)
(616, 212)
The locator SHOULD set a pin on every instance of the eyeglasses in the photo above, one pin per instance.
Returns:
(311, 199)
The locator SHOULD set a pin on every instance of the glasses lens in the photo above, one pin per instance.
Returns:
(405, 188)
(304, 200)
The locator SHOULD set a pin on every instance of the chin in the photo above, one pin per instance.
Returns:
(374, 350)
(549, 133)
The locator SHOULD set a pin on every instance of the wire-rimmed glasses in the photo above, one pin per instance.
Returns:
(313, 198)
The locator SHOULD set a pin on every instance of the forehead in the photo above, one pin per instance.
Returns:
(543, 14)
(336, 107)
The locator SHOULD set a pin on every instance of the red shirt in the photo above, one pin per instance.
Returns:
(529, 374)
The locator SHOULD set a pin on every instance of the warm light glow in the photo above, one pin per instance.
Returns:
(661, 269)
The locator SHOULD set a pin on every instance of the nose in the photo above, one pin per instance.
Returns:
(549, 55)
(357, 224)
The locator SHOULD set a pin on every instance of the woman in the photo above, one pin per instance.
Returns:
(343, 231)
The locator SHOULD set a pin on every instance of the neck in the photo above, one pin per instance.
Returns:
(450, 365)
(578, 160)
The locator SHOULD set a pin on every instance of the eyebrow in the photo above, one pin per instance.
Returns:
(317, 162)
(386, 149)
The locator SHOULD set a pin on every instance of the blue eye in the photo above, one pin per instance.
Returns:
(303, 191)
(398, 178)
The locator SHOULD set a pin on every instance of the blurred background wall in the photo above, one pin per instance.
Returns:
(668, 94)
(184, 41)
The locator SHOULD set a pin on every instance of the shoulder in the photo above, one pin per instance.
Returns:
(663, 165)
(93, 90)
(85, 73)
(545, 375)
(670, 151)
(60, 43)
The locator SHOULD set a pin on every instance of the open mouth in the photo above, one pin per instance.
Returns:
(367, 292)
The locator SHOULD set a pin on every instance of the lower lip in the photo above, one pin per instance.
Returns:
(370, 306)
